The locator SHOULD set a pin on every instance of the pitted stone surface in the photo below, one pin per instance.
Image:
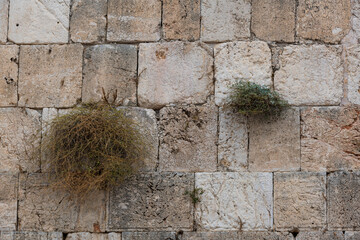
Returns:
(44, 209)
(224, 20)
(188, 138)
(233, 140)
(330, 138)
(310, 75)
(354, 34)
(343, 200)
(149, 236)
(160, 83)
(4, 6)
(352, 235)
(329, 235)
(271, 149)
(273, 20)
(134, 21)
(353, 73)
(110, 69)
(181, 19)
(8, 74)
(20, 131)
(234, 201)
(39, 21)
(24, 235)
(8, 201)
(50, 75)
(328, 21)
(300, 200)
(88, 21)
(247, 61)
(93, 236)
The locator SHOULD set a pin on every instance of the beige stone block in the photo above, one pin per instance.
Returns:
(274, 142)
(88, 21)
(300, 200)
(246, 61)
(353, 73)
(354, 34)
(50, 75)
(330, 139)
(26, 235)
(93, 236)
(4, 10)
(225, 20)
(310, 75)
(230, 235)
(39, 21)
(320, 235)
(174, 72)
(8, 201)
(8, 75)
(133, 21)
(110, 69)
(149, 236)
(273, 20)
(188, 136)
(352, 235)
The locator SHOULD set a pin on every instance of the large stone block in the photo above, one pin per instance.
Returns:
(8, 74)
(88, 21)
(4, 7)
(328, 235)
(174, 72)
(352, 235)
(343, 200)
(152, 201)
(25, 235)
(328, 21)
(149, 236)
(234, 201)
(265, 236)
(271, 149)
(225, 20)
(93, 236)
(20, 133)
(50, 75)
(353, 73)
(354, 34)
(247, 61)
(300, 200)
(188, 136)
(273, 20)
(133, 21)
(310, 75)
(230, 235)
(8, 201)
(330, 139)
(181, 19)
(33, 21)
(110, 69)
(41, 208)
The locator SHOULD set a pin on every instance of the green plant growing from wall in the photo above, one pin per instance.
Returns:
(195, 194)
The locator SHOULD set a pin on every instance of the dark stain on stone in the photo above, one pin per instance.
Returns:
(161, 54)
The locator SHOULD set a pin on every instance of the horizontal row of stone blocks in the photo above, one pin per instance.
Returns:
(156, 201)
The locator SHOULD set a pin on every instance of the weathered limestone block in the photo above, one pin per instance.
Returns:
(93, 236)
(33, 21)
(188, 136)
(353, 73)
(24, 235)
(352, 235)
(149, 236)
(234, 201)
(174, 72)
(50, 75)
(247, 61)
(274, 142)
(110, 69)
(328, 21)
(225, 20)
(330, 139)
(8, 201)
(20, 133)
(310, 75)
(88, 21)
(4, 6)
(181, 19)
(343, 200)
(300, 200)
(44, 209)
(233, 141)
(153, 200)
(8, 74)
(133, 21)
(230, 235)
(328, 235)
(273, 20)
(265, 236)
(354, 34)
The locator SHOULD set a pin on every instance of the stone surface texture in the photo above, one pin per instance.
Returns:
(50, 75)
(191, 81)
(310, 75)
(354, 34)
(8, 75)
(273, 20)
(246, 61)
(149, 236)
(300, 200)
(8, 201)
(352, 235)
(329, 235)
(39, 21)
(224, 20)
(93, 236)
(4, 6)
(110, 72)
(353, 73)
(26, 235)
(330, 138)
(234, 201)
(133, 21)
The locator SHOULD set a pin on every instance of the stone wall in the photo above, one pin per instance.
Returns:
(170, 64)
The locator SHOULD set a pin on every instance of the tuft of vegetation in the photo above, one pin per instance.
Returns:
(195, 194)
(94, 146)
(250, 99)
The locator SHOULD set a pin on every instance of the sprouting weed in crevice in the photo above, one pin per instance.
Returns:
(195, 194)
